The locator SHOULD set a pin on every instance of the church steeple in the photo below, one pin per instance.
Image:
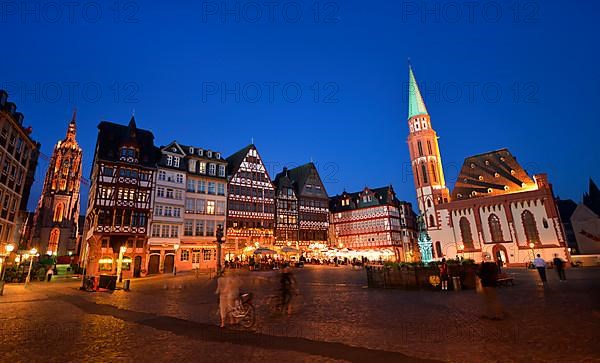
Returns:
(72, 129)
(426, 159)
(416, 106)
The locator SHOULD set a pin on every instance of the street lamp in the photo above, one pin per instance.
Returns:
(175, 247)
(120, 264)
(32, 253)
(532, 245)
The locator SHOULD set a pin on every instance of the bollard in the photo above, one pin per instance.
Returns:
(126, 284)
(456, 283)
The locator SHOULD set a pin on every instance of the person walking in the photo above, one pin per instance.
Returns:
(49, 274)
(228, 290)
(540, 265)
(560, 267)
(444, 277)
(288, 287)
(488, 275)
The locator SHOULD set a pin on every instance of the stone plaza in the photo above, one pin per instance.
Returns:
(337, 319)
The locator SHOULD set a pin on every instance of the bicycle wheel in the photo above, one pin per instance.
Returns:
(248, 320)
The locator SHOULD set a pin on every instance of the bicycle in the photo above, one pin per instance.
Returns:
(275, 304)
(242, 313)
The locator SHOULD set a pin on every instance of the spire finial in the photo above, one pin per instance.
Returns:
(74, 117)
(252, 140)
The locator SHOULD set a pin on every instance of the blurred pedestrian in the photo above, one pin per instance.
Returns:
(288, 289)
(540, 265)
(49, 274)
(228, 290)
(560, 267)
(444, 277)
(488, 275)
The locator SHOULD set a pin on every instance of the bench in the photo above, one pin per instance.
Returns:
(505, 279)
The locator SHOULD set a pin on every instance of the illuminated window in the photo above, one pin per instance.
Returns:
(53, 240)
(58, 212)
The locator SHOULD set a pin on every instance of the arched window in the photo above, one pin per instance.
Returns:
(465, 232)
(431, 220)
(428, 203)
(424, 171)
(433, 172)
(420, 147)
(495, 228)
(545, 223)
(531, 231)
(438, 249)
(53, 240)
(58, 212)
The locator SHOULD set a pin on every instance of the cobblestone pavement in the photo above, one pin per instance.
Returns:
(339, 319)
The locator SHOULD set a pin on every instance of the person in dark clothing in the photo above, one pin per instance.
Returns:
(488, 275)
(288, 287)
(444, 276)
(560, 267)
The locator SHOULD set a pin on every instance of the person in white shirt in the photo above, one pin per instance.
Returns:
(540, 265)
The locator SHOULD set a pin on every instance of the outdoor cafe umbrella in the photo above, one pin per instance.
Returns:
(264, 251)
(288, 249)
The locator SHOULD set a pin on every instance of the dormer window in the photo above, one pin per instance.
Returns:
(191, 150)
(200, 152)
(209, 154)
(218, 156)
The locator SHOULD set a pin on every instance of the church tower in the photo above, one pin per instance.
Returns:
(426, 161)
(55, 222)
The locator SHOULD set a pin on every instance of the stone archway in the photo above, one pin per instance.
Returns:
(500, 254)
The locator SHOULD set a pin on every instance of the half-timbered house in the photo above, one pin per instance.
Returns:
(250, 201)
(313, 206)
(120, 196)
(286, 209)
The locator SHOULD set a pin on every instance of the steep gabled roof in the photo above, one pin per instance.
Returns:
(301, 174)
(235, 160)
(492, 173)
(111, 136)
(283, 180)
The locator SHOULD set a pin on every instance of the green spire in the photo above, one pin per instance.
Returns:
(416, 106)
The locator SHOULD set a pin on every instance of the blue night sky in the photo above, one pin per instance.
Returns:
(327, 84)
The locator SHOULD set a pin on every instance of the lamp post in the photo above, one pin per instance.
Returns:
(9, 248)
(120, 263)
(532, 246)
(32, 253)
(219, 241)
(175, 247)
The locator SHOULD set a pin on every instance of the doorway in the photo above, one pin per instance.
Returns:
(500, 255)
(153, 264)
(169, 263)
(137, 266)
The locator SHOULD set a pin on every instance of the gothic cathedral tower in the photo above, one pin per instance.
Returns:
(426, 161)
(55, 222)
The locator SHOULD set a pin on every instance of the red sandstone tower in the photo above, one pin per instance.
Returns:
(426, 161)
